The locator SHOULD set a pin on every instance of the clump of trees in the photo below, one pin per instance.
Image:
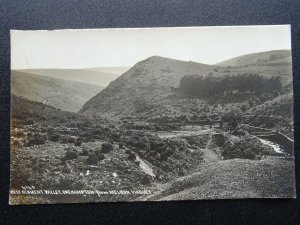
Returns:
(213, 86)
(232, 120)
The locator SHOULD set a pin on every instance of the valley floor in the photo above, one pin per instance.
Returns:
(209, 177)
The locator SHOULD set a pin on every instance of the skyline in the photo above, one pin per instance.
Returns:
(123, 47)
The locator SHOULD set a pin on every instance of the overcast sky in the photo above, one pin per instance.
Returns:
(125, 47)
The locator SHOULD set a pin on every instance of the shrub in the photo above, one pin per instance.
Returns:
(107, 147)
(84, 152)
(143, 144)
(37, 139)
(219, 139)
(146, 180)
(92, 159)
(67, 139)
(115, 137)
(71, 154)
(247, 148)
(54, 137)
(128, 151)
(16, 143)
(78, 142)
(19, 134)
(233, 120)
(132, 156)
(29, 121)
(101, 157)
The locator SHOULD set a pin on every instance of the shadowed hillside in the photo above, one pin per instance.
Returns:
(59, 93)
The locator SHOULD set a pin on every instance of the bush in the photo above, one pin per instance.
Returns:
(146, 180)
(131, 156)
(101, 157)
(115, 137)
(37, 139)
(19, 134)
(78, 142)
(54, 137)
(84, 152)
(247, 148)
(16, 143)
(71, 154)
(107, 147)
(92, 159)
(233, 120)
(219, 139)
(67, 139)
(127, 151)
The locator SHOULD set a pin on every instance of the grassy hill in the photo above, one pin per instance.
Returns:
(94, 76)
(110, 70)
(60, 93)
(144, 88)
(261, 58)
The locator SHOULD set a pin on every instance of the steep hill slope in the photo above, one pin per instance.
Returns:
(145, 89)
(59, 93)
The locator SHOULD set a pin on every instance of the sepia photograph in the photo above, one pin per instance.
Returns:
(151, 114)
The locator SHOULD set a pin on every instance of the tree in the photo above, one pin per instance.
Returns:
(232, 120)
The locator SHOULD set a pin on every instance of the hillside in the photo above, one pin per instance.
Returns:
(59, 93)
(144, 88)
(24, 109)
(94, 76)
(261, 58)
(268, 178)
(150, 88)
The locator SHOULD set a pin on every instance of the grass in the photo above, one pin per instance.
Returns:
(236, 178)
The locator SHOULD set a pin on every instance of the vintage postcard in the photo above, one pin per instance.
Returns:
(151, 114)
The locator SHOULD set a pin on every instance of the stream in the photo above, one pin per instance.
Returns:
(145, 167)
(276, 147)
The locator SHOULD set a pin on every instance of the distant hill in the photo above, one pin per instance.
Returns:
(268, 64)
(275, 57)
(59, 93)
(110, 70)
(94, 76)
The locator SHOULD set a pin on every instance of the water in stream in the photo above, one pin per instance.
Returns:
(275, 146)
